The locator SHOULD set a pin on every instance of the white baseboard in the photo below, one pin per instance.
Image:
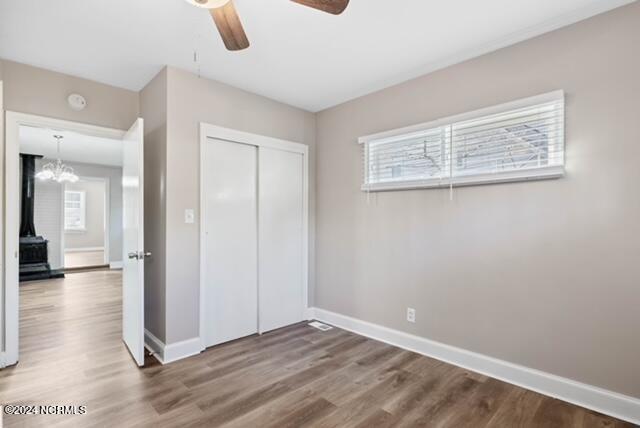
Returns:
(174, 351)
(601, 400)
(178, 351)
(115, 265)
(83, 249)
(154, 345)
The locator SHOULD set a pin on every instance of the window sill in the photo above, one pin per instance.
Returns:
(78, 231)
(471, 180)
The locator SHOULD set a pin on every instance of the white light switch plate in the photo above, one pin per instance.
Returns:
(189, 216)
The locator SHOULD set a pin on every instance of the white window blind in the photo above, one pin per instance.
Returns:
(420, 156)
(514, 141)
(74, 210)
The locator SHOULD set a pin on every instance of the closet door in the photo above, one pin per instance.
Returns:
(280, 228)
(230, 241)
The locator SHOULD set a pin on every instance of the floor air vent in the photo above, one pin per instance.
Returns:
(320, 326)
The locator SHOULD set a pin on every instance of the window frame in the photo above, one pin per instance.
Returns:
(82, 208)
(539, 173)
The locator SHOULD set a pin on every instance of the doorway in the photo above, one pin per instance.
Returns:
(87, 208)
(79, 216)
(86, 225)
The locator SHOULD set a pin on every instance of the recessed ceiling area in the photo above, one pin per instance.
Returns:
(298, 55)
(74, 147)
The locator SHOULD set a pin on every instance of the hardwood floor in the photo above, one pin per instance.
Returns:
(72, 354)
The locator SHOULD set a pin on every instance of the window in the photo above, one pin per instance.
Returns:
(74, 210)
(515, 141)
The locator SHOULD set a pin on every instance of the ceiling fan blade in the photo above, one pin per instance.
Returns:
(335, 7)
(229, 26)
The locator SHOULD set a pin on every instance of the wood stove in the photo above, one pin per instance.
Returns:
(34, 254)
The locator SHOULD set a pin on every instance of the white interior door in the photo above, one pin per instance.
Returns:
(133, 242)
(280, 225)
(229, 191)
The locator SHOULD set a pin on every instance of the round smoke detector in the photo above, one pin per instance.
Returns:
(77, 102)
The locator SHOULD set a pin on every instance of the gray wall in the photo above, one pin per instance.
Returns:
(153, 109)
(113, 175)
(42, 92)
(543, 274)
(94, 234)
(192, 100)
(48, 212)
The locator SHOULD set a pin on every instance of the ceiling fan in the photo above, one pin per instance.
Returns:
(226, 19)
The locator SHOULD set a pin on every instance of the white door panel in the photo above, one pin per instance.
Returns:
(133, 242)
(280, 239)
(230, 240)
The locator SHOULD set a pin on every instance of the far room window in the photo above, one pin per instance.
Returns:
(74, 210)
(520, 140)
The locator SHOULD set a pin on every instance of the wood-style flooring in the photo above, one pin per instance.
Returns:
(72, 354)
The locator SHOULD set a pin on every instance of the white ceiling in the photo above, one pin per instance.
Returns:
(74, 147)
(298, 55)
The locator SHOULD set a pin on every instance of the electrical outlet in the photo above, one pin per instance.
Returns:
(411, 315)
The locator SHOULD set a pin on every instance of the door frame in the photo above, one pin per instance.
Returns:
(106, 215)
(208, 131)
(11, 151)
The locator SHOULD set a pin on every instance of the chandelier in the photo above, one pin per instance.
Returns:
(57, 171)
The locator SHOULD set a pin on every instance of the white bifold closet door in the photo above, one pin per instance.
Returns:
(280, 228)
(230, 241)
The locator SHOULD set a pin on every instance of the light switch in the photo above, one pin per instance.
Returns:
(189, 216)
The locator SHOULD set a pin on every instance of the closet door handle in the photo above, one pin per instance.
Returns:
(133, 255)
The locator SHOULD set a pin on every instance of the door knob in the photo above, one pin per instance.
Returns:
(139, 255)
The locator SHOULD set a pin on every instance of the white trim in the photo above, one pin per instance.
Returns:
(116, 265)
(154, 345)
(12, 219)
(3, 203)
(184, 349)
(533, 174)
(83, 249)
(62, 233)
(486, 111)
(601, 400)
(217, 132)
(166, 354)
(107, 219)
(527, 174)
